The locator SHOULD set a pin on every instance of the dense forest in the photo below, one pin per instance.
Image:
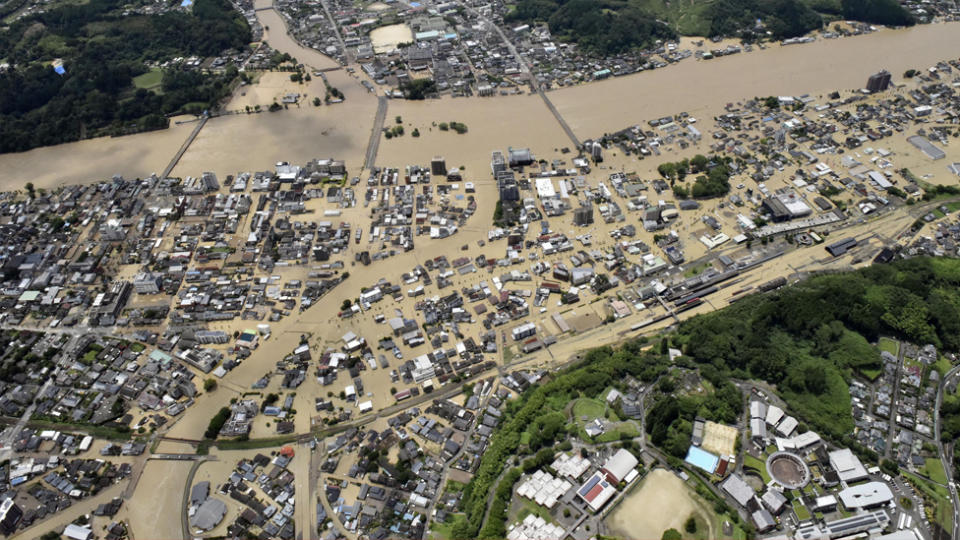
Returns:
(614, 26)
(601, 27)
(888, 12)
(810, 338)
(782, 18)
(102, 51)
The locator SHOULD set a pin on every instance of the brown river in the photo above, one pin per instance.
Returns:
(255, 142)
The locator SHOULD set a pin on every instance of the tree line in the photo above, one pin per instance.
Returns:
(102, 52)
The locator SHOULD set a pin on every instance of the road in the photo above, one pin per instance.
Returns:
(947, 465)
(304, 488)
(894, 403)
(6, 444)
(525, 69)
(448, 391)
(61, 519)
(6, 452)
(374, 145)
(187, 486)
(186, 144)
(336, 28)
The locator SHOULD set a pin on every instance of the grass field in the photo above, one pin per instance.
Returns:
(942, 365)
(686, 17)
(801, 510)
(618, 433)
(150, 80)
(527, 507)
(758, 465)
(941, 509)
(591, 408)
(888, 345)
(441, 530)
(953, 207)
(871, 374)
(933, 469)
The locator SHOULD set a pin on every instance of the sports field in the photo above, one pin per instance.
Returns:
(662, 502)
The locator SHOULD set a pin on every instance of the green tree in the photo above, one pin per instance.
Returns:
(667, 170)
(209, 385)
(699, 163)
(690, 525)
(418, 89)
(671, 534)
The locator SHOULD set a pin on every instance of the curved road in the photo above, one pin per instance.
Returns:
(947, 466)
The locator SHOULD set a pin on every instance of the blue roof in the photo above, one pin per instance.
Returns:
(701, 458)
(60, 70)
(186, 3)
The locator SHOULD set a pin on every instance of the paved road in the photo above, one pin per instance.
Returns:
(6, 445)
(6, 452)
(336, 28)
(894, 404)
(186, 144)
(947, 465)
(61, 519)
(187, 486)
(525, 68)
(374, 145)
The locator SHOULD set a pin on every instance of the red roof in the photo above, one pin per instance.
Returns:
(592, 494)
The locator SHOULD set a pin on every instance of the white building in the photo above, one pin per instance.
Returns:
(847, 465)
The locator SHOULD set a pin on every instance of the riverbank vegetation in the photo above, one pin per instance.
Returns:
(615, 26)
(601, 27)
(102, 52)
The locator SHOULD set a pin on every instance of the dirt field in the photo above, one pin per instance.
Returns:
(719, 439)
(661, 503)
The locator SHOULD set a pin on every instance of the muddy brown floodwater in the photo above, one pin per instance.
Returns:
(696, 86)
(243, 142)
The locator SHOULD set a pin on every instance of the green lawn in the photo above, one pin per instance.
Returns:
(889, 345)
(871, 374)
(618, 433)
(441, 530)
(591, 408)
(529, 507)
(150, 80)
(688, 18)
(942, 365)
(801, 510)
(757, 465)
(942, 508)
(933, 469)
